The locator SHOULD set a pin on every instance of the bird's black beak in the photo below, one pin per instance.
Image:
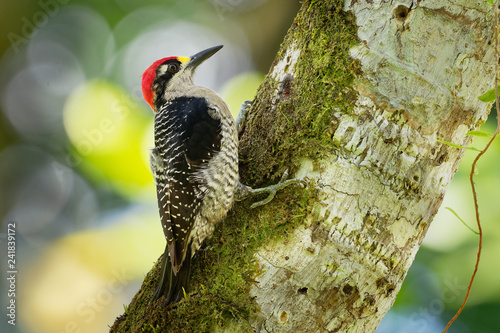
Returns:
(200, 57)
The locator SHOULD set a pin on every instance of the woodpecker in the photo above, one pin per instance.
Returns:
(194, 164)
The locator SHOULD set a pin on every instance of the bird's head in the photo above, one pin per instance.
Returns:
(172, 76)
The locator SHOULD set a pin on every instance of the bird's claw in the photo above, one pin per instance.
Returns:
(273, 189)
(245, 106)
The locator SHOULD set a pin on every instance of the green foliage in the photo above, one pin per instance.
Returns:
(479, 133)
(458, 146)
(488, 96)
(468, 227)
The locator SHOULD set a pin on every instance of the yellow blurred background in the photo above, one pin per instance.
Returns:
(75, 136)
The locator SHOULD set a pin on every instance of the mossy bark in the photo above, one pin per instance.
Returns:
(355, 102)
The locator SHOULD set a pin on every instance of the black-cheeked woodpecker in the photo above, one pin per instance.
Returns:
(194, 164)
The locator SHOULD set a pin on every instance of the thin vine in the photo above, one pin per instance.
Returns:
(473, 168)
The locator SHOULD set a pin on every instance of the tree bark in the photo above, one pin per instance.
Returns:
(355, 102)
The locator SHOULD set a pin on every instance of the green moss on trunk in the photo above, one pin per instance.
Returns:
(222, 272)
(298, 121)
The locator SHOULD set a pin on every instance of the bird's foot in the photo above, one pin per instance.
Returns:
(244, 191)
(242, 114)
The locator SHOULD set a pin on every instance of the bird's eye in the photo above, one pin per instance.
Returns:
(173, 68)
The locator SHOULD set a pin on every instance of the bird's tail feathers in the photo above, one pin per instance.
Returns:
(170, 285)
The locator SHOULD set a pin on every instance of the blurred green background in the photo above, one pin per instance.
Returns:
(74, 177)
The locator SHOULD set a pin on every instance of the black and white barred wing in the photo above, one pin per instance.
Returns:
(186, 138)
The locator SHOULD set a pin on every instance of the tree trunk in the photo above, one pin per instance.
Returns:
(355, 102)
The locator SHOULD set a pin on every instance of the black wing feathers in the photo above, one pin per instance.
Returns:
(203, 142)
(186, 138)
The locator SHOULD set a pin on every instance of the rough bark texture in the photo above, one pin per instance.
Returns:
(355, 102)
